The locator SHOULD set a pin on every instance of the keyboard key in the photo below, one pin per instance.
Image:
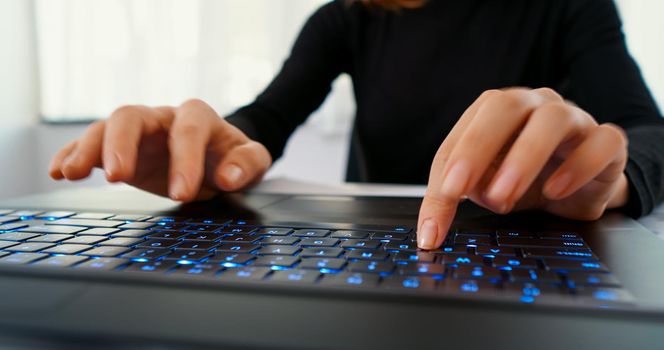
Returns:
(206, 270)
(311, 233)
(5, 244)
(473, 240)
(197, 245)
(540, 243)
(477, 272)
(573, 265)
(105, 264)
(360, 244)
(106, 251)
(324, 252)
(463, 260)
(495, 251)
(67, 249)
(534, 292)
(122, 241)
(274, 231)
(422, 269)
(389, 236)
(592, 279)
(238, 229)
(276, 260)
(348, 279)
(251, 273)
(401, 246)
(533, 275)
(26, 213)
(21, 258)
(6, 211)
(54, 238)
(473, 232)
(237, 247)
(159, 243)
(409, 282)
(191, 256)
(559, 235)
(295, 276)
(158, 234)
(131, 217)
(85, 239)
(164, 219)
(279, 240)
(322, 263)
(520, 263)
(205, 221)
(54, 215)
(376, 255)
(136, 234)
(604, 296)
(205, 228)
(87, 222)
(99, 231)
(29, 247)
(12, 226)
(455, 249)
(203, 237)
(351, 234)
(574, 254)
(92, 216)
(136, 226)
(382, 267)
(52, 229)
(61, 261)
(469, 287)
(231, 258)
(154, 266)
(514, 234)
(424, 257)
(240, 238)
(145, 254)
(318, 242)
(278, 250)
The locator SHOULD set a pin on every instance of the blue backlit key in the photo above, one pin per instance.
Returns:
(534, 275)
(188, 256)
(463, 260)
(350, 279)
(159, 243)
(154, 266)
(318, 242)
(574, 265)
(279, 240)
(70, 230)
(67, 248)
(196, 245)
(61, 261)
(495, 251)
(575, 279)
(105, 264)
(206, 270)
(274, 231)
(325, 252)
(422, 269)
(237, 247)
(409, 282)
(360, 244)
(377, 255)
(295, 276)
(477, 272)
(276, 261)
(251, 273)
(311, 233)
(278, 250)
(106, 251)
(143, 255)
(322, 263)
(231, 259)
(424, 257)
(514, 263)
(381, 267)
(397, 246)
(351, 234)
(389, 236)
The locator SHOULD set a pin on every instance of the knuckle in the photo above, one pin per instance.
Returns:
(124, 111)
(489, 93)
(193, 103)
(615, 133)
(549, 93)
(509, 100)
(562, 112)
(185, 130)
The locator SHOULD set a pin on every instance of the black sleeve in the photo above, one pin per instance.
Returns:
(606, 82)
(317, 58)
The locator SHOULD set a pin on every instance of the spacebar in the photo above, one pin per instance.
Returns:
(540, 243)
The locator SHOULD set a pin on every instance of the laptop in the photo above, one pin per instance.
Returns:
(101, 268)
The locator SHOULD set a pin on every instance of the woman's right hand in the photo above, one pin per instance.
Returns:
(186, 153)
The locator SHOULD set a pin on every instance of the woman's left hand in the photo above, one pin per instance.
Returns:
(524, 149)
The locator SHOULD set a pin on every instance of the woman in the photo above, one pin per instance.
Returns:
(440, 86)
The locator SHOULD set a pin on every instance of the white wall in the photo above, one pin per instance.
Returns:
(316, 152)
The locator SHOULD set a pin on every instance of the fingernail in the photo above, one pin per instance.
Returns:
(455, 182)
(504, 186)
(426, 237)
(558, 185)
(111, 165)
(178, 187)
(233, 174)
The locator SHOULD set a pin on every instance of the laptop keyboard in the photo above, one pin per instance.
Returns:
(544, 267)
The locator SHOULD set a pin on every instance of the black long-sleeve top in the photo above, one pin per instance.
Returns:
(415, 71)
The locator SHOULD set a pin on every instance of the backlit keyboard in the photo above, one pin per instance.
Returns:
(544, 267)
